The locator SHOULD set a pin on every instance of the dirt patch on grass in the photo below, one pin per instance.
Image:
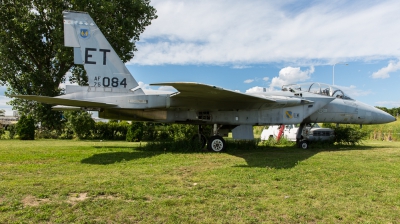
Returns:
(73, 198)
(108, 197)
(77, 197)
(32, 201)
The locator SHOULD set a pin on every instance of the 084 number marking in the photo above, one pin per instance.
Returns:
(110, 82)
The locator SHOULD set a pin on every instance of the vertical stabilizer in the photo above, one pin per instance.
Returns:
(103, 66)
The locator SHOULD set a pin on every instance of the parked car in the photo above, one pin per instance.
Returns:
(272, 132)
(312, 132)
(318, 134)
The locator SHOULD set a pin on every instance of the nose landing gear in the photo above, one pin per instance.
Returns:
(301, 143)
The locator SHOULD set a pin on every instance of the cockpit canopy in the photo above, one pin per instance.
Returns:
(317, 88)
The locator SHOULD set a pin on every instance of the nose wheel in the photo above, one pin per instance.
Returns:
(304, 144)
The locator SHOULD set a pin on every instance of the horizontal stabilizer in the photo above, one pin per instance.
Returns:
(66, 102)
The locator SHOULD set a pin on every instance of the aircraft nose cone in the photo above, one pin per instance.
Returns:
(384, 117)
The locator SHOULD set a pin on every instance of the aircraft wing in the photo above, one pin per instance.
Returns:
(197, 95)
(66, 102)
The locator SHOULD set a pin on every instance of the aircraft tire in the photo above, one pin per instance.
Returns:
(304, 144)
(202, 142)
(216, 144)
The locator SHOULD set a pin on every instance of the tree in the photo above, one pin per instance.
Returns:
(80, 122)
(33, 59)
(135, 132)
(2, 113)
(26, 128)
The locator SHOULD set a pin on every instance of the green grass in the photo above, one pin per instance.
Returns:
(106, 182)
(384, 132)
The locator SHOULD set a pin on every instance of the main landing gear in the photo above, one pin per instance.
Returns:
(301, 142)
(199, 139)
(215, 143)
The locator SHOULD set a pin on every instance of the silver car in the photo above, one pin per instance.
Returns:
(316, 133)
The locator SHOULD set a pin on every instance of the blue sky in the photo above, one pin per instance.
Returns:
(244, 45)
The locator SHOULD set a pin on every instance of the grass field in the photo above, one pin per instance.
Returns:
(55, 181)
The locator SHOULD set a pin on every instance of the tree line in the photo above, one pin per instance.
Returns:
(393, 111)
(80, 125)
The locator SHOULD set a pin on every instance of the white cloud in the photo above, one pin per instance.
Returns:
(383, 73)
(240, 66)
(4, 106)
(255, 89)
(4, 100)
(248, 32)
(162, 88)
(143, 85)
(248, 80)
(290, 75)
(353, 92)
(167, 88)
(287, 75)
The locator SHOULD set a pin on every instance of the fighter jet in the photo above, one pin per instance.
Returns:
(114, 92)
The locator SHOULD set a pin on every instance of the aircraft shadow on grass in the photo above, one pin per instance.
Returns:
(116, 157)
(284, 158)
(278, 158)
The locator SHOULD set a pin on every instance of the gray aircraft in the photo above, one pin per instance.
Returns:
(116, 95)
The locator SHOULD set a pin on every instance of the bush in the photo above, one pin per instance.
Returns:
(80, 122)
(173, 146)
(26, 128)
(181, 131)
(135, 132)
(47, 134)
(66, 133)
(112, 130)
(349, 135)
(2, 132)
(242, 144)
(149, 131)
(12, 128)
(119, 130)
(101, 131)
(273, 142)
